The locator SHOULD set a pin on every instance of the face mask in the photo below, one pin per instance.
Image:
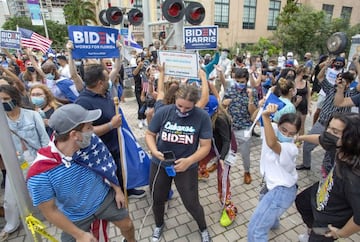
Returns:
(240, 85)
(338, 66)
(50, 76)
(30, 69)
(328, 141)
(224, 55)
(183, 115)
(145, 53)
(290, 77)
(284, 139)
(10, 105)
(38, 101)
(305, 77)
(78, 63)
(258, 65)
(271, 68)
(86, 139)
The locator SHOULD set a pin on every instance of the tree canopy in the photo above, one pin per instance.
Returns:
(80, 12)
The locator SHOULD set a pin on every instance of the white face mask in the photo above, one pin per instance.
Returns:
(86, 139)
(224, 55)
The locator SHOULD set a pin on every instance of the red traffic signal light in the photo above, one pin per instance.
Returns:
(135, 17)
(173, 10)
(195, 13)
(103, 19)
(114, 15)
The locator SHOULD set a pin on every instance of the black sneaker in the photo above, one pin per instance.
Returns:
(134, 193)
(302, 167)
(157, 233)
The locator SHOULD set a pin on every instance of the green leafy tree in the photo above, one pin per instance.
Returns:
(302, 29)
(80, 12)
(57, 32)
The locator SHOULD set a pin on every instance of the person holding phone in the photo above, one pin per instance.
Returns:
(185, 130)
(331, 208)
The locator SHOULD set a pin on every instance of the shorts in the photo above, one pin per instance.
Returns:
(107, 211)
(320, 101)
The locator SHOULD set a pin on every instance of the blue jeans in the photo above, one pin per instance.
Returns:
(272, 205)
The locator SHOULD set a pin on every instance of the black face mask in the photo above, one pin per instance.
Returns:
(305, 77)
(328, 141)
(338, 67)
(290, 77)
(9, 106)
(30, 69)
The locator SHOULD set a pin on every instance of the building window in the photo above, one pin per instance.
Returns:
(222, 13)
(137, 4)
(328, 9)
(346, 12)
(274, 10)
(249, 14)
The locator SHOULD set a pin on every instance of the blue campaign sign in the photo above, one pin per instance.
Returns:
(10, 39)
(124, 32)
(200, 37)
(93, 42)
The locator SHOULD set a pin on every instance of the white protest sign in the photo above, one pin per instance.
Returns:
(180, 63)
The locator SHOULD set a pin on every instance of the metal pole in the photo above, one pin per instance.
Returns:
(43, 18)
(15, 175)
(178, 36)
(147, 29)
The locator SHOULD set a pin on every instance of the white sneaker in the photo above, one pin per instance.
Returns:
(157, 233)
(140, 124)
(205, 237)
(304, 237)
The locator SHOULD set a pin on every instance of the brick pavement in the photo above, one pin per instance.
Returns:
(179, 224)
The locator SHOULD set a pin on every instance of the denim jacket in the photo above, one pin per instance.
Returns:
(30, 127)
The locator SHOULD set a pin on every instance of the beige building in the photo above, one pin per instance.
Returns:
(245, 21)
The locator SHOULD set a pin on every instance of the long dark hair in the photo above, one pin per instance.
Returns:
(13, 93)
(349, 152)
(292, 118)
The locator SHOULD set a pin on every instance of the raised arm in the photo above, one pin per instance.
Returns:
(28, 52)
(78, 81)
(327, 64)
(117, 66)
(270, 136)
(204, 90)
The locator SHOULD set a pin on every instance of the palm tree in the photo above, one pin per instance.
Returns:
(80, 12)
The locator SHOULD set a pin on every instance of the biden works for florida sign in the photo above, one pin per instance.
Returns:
(200, 37)
(93, 42)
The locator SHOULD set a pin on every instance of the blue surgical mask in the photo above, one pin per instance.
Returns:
(284, 139)
(183, 115)
(9, 106)
(50, 76)
(240, 85)
(38, 101)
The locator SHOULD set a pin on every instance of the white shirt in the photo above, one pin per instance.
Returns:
(65, 71)
(278, 170)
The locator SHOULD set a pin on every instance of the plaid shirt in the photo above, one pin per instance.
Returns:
(328, 107)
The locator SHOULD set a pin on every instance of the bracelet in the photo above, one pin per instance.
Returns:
(110, 126)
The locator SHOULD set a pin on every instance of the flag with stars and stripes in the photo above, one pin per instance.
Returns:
(98, 158)
(34, 40)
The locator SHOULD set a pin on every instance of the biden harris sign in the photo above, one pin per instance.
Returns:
(93, 42)
(200, 37)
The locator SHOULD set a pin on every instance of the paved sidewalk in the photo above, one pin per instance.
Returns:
(180, 226)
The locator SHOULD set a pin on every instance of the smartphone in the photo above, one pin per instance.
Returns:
(169, 156)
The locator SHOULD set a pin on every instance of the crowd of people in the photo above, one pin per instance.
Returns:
(64, 126)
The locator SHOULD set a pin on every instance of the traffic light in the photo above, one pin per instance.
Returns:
(114, 15)
(103, 19)
(194, 13)
(135, 17)
(174, 11)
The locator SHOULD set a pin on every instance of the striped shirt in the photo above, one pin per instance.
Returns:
(328, 107)
(78, 191)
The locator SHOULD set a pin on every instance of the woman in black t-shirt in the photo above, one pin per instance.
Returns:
(331, 208)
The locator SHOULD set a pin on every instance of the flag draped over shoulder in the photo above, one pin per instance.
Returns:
(136, 160)
(36, 41)
(97, 158)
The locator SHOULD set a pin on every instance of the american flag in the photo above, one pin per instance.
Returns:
(97, 158)
(31, 39)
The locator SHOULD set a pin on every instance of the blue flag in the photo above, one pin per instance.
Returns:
(136, 161)
(273, 99)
